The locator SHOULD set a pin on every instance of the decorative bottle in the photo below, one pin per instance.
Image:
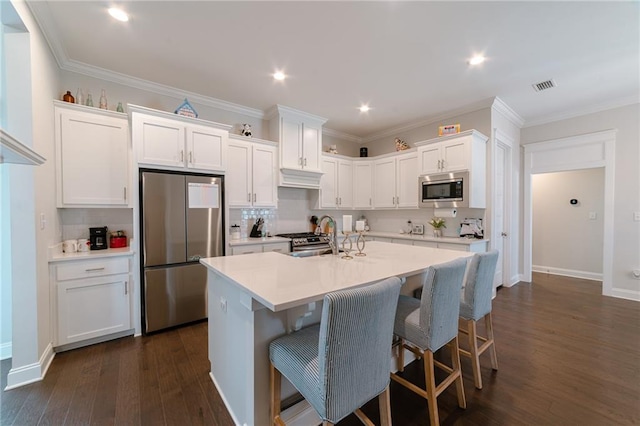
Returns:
(120, 108)
(80, 97)
(103, 100)
(89, 99)
(68, 97)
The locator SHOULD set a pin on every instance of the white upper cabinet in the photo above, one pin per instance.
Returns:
(336, 185)
(300, 138)
(395, 181)
(92, 157)
(459, 152)
(178, 143)
(251, 179)
(362, 184)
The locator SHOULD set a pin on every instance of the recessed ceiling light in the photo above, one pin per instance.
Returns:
(477, 60)
(364, 108)
(118, 14)
(279, 75)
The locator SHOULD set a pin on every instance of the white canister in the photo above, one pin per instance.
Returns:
(83, 245)
(235, 232)
(70, 246)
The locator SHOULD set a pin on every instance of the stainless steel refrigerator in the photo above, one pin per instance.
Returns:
(181, 221)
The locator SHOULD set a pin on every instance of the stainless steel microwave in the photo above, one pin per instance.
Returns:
(444, 190)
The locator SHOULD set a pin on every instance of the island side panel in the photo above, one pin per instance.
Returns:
(239, 338)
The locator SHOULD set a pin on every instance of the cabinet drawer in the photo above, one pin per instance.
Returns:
(92, 268)
(449, 246)
(249, 249)
(425, 244)
(279, 247)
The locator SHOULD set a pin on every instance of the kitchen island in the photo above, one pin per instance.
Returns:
(252, 299)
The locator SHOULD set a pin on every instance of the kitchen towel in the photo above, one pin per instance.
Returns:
(445, 212)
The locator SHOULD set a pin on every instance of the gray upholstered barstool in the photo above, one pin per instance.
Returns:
(476, 304)
(343, 362)
(428, 324)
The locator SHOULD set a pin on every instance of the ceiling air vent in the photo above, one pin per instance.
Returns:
(544, 85)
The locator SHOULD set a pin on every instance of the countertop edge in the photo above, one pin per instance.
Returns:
(92, 254)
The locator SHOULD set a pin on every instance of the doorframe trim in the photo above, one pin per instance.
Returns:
(588, 151)
(506, 142)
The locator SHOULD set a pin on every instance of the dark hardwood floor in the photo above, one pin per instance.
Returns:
(567, 355)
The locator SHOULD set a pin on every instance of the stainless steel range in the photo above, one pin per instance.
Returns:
(308, 242)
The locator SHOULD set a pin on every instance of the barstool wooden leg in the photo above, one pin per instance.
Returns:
(457, 369)
(401, 356)
(430, 385)
(275, 382)
(385, 408)
(492, 349)
(473, 349)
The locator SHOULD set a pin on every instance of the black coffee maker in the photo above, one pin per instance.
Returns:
(98, 238)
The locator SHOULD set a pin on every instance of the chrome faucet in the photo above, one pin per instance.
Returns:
(333, 242)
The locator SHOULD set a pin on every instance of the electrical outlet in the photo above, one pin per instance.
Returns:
(223, 304)
(593, 215)
(636, 216)
(43, 221)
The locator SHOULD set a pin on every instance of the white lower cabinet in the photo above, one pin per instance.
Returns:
(478, 246)
(92, 300)
(260, 248)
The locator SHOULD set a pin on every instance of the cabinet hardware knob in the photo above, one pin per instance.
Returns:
(504, 234)
(369, 201)
(191, 157)
(126, 290)
(337, 201)
(125, 193)
(254, 197)
(248, 196)
(305, 161)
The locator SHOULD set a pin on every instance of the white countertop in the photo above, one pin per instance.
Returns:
(263, 240)
(57, 256)
(279, 281)
(427, 237)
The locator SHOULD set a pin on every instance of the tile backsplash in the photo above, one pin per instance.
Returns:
(75, 223)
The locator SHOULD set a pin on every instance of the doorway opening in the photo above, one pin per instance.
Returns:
(568, 209)
(589, 151)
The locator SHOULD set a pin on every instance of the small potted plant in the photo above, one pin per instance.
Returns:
(438, 223)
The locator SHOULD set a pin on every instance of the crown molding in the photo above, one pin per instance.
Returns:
(500, 106)
(42, 15)
(341, 135)
(617, 103)
(485, 103)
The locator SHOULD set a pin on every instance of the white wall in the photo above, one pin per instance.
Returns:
(565, 239)
(479, 120)
(32, 194)
(626, 239)
(117, 92)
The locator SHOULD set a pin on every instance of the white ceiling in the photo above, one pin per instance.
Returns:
(407, 60)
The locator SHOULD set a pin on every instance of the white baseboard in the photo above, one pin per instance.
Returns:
(6, 349)
(567, 272)
(625, 294)
(30, 373)
(224, 399)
